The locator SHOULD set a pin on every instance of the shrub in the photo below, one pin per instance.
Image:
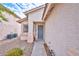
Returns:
(14, 52)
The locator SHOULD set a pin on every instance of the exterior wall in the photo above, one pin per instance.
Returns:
(33, 17)
(24, 22)
(24, 35)
(36, 15)
(9, 27)
(30, 31)
(62, 29)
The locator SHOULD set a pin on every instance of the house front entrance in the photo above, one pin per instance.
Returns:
(39, 31)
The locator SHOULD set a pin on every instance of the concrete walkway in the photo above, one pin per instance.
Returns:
(38, 49)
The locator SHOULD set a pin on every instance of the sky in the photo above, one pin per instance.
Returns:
(19, 8)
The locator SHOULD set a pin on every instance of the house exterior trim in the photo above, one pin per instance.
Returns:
(48, 10)
(34, 9)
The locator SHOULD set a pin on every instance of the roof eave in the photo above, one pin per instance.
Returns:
(22, 20)
(47, 10)
(34, 9)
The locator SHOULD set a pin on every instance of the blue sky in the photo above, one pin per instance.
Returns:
(19, 8)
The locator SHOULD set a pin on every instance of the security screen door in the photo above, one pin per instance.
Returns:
(40, 32)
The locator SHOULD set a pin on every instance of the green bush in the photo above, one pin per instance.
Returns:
(14, 52)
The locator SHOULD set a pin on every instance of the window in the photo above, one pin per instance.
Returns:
(25, 27)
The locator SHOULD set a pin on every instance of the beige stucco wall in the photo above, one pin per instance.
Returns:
(9, 27)
(35, 16)
(62, 29)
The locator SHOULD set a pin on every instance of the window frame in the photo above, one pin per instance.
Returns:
(25, 28)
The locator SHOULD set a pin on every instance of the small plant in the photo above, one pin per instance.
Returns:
(14, 52)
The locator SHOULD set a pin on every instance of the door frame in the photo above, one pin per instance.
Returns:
(36, 29)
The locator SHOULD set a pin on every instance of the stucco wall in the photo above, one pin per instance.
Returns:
(9, 27)
(36, 15)
(62, 29)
